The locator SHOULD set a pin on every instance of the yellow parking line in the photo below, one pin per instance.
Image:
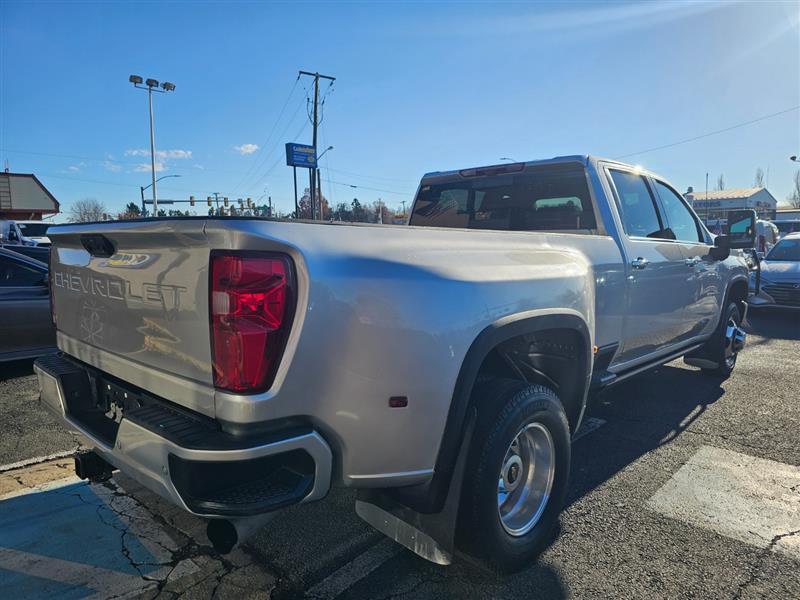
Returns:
(35, 477)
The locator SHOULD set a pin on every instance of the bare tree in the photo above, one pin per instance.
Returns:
(720, 183)
(794, 197)
(758, 181)
(88, 209)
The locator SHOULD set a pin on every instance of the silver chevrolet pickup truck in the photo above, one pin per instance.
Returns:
(237, 366)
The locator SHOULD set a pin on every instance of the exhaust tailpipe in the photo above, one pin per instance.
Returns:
(227, 534)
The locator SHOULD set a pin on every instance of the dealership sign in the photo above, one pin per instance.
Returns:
(300, 155)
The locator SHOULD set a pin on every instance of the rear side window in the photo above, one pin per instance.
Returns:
(637, 206)
(552, 198)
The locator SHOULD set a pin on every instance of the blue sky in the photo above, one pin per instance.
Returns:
(420, 87)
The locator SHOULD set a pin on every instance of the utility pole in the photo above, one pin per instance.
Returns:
(706, 199)
(315, 123)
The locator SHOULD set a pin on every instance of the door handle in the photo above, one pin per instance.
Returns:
(690, 262)
(640, 263)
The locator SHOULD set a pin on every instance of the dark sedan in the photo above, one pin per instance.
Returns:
(26, 328)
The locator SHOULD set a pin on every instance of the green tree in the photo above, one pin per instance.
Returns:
(360, 215)
(132, 211)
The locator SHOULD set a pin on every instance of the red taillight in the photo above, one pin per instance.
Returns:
(251, 305)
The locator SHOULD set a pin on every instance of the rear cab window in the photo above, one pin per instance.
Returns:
(537, 198)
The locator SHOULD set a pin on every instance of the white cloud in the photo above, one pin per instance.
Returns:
(199, 167)
(246, 148)
(145, 167)
(73, 168)
(112, 166)
(161, 154)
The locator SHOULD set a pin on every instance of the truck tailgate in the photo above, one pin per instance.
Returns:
(141, 295)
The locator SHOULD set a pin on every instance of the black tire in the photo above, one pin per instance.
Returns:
(506, 407)
(717, 347)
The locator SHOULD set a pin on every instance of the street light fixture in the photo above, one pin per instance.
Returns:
(142, 189)
(794, 158)
(152, 86)
(507, 158)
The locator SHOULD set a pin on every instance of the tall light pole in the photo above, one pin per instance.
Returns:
(319, 182)
(143, 188)
(151, 85)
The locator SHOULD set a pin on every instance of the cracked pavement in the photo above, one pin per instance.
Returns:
(612, 541)
(166, 552)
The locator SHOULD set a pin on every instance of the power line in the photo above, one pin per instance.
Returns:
(710, 133)
(271, 131)
(266, 156)
(127, 185)
(375, 177)
(372, 189)
(261, 177)
(314, 172)
(266, 173)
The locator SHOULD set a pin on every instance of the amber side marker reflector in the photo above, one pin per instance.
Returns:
(398, 402)
(595, 349)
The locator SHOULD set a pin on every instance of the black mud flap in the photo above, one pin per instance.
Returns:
(431, 536)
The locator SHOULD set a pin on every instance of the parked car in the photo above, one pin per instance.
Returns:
(787, 227)
(10, 233)
(35, 231)
(238, 366)
(779, 285)
(26, 327)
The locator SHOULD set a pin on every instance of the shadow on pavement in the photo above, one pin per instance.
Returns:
(16, 368)
(774, 323)
(641, 415)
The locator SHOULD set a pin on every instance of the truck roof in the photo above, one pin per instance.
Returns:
(584, 159)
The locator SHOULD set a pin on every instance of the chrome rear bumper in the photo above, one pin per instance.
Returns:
(149, 458)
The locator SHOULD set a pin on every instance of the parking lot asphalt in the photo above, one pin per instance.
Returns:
(682, 486)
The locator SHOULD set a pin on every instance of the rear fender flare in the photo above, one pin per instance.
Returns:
(430, 497)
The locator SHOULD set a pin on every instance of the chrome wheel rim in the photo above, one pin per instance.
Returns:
(526, 479)
(734, 341)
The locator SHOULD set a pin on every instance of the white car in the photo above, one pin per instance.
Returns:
(35, 231)
(780, 276)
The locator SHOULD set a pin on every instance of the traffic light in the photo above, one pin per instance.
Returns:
(191, 200)
(208, 200)
(225, 200)
(250, 203)
(241, 202)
